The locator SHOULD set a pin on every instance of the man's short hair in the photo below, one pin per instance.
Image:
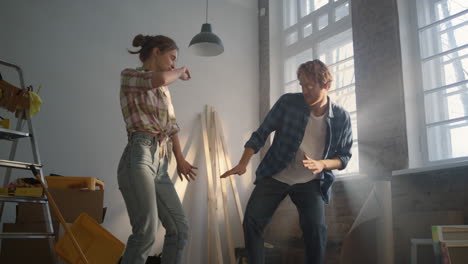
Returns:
(316, 70)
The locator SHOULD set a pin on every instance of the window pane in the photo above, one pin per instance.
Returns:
(445, 70)
(292, 87)
(292, 63)
(446, 8)
(458, 139)
(448, 141)
(307, 31)
(444, 36)
(289, 13)
(291, 38)
(343, 74)
(337, 53)
(447, 104)
(306, 7)
(337, 48)
(319, 3)
(309, 6)
(322, 21)
(345, 97)
(341, 11)
(430, 11)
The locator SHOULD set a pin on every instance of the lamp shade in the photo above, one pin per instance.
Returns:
(206, 43)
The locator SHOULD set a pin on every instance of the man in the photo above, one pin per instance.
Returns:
(312, 137)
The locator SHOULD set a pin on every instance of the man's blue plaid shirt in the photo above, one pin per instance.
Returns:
(288, 118)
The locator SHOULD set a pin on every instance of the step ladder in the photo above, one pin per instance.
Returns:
(15, 136)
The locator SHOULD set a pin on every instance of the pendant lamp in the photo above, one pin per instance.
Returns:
(206, 43)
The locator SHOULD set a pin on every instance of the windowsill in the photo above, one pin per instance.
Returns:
(429, 168)
(441, 166)
(350, 177)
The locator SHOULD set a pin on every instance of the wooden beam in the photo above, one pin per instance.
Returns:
(211, 194)
(220, 158)
(229, 165)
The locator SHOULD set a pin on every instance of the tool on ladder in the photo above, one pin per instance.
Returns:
(11, 163)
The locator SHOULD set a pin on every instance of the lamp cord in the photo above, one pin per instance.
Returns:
(206, 12)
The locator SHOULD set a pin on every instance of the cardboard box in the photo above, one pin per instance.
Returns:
(30, 213)
(25, 251)
(71, 203)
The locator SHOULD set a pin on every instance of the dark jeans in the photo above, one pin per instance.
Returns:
(265, 198)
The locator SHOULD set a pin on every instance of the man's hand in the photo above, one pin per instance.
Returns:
(239, 170)
(241, 167)
(316, 166)
(185, 169)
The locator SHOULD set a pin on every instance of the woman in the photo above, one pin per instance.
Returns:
(152, 133)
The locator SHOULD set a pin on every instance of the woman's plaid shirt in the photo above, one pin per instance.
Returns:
(144, 107)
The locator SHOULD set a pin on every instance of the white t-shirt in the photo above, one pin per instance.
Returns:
(313, 144)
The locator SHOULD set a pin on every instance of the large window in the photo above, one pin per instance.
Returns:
(443, 45)
(321, 29)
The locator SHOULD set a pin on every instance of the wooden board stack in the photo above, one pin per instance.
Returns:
(217, 162)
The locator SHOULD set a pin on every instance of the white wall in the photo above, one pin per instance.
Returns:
(76, 50)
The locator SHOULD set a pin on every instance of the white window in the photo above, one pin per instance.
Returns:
(443, 47)
(337, 53)
(321, 29)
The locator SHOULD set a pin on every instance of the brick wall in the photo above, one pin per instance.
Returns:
(438, 197)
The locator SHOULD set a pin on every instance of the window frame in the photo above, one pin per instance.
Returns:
(312, 41)
(417, 91)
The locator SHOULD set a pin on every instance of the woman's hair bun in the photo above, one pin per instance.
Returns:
(147, 43)
(139, 40)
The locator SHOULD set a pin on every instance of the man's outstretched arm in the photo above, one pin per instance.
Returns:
(240, 168)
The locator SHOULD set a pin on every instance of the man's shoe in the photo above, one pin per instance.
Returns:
(153, 260)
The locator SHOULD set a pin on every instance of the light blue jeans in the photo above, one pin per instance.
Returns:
(149, 194)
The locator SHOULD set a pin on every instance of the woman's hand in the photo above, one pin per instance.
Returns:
(185, 169)
(185, 73)
(239, 170)
(316, 166)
